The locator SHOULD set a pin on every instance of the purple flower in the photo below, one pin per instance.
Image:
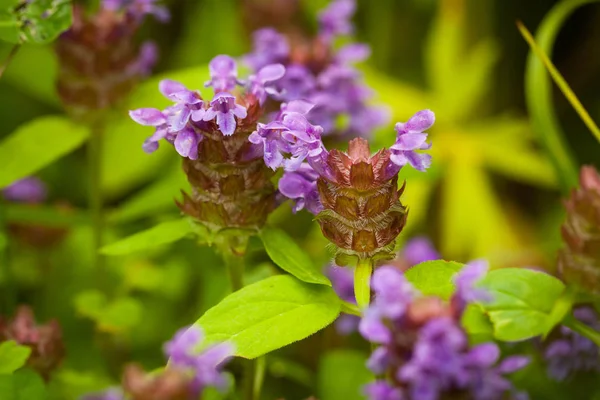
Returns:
(381, 390)
(418, 250)
(206, 364)
(223, 74)
(187, 103)
(225, 109)
(335, 19)
(342, 280)
(109, 394)
(301, 187)
(138, 8)
(571, 352)
(146, 60)
(260, 84)
(155, 118)
(393, 292)
(269, 135)
(466, 289)
(411, 138)
(26, 190)
(353, 53)
(269, 47)
(298, 83)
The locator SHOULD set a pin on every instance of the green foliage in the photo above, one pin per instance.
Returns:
(37, 21)
(12, 356)
(166, 232)
(22, 385)
(290, 257)
(538, 93)
(522, 303)
(342, 373)
(116, 316)
(37, 144)
(434, 278)
(270, 314)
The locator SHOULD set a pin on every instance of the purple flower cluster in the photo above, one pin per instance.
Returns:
(571, 352)
(291, 140)
(322, 75)
(203, 367)
(138, 9)
(184, 123)
(26, 190)
(424, 349)
(419, 249)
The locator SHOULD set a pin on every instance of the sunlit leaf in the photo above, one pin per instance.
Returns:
(270, 314)
(290, 257)
(434, 278)
(12, 356)
(36, 144)
(523, 300)
(39, 21)
(166, 232)
(22, 385)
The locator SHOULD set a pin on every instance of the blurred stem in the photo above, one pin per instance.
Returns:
(582, 329)
(362, 282)
(560, 82)
(259, 376)
(13, 52)
(95, 201)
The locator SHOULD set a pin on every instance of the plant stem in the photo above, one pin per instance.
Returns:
(582, 329)
(259, 376)
(95, 201)
(362, 282)
(8, 284)
(13, 52)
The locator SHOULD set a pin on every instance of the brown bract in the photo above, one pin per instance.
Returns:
(169, 384)
(579, 261)
(362, 212)
(45, 341)
(95, 57)
(231, 185)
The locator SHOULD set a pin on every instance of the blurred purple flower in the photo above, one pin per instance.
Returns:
(224, 108)
(342, 280)
(381, 390)
(419, 249)
(138, 8)
(269, 47)
(146, 60)
(297, 83)
(571, 352)
(223, 74)
(26, 190)
(206, 364)
(301, 187)
(411, 138)
(335, 19)
(466, 285)
(393, 292)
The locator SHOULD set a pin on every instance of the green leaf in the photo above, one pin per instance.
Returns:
(22, 385)
(39, 21)
(166, 232)
(538, 94)
(523, 300)
(434, 278)
(342, 374)
(561, 308)
(476, 323)
(286, 254)
(12, 356)
(270, 314)
(116, 316)
(36, 144)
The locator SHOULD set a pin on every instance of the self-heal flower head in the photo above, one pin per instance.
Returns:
(335, 19)
(410, 138)
(261, 84)
(223, 74)
(224, 108)
(301, 187)
(269, 47)
(26, 190)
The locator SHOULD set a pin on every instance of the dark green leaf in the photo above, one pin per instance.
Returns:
(12, 356)
(36, 144)
(22, 385)
(270, 314)
(290, 257)
(522, 302)
(342, 373)
(434, 278)
(166, 232)
(38, 21)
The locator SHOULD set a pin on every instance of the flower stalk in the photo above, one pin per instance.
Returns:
(95, 198)
(362, 282)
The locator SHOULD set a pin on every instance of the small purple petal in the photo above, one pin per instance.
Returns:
(148, 116)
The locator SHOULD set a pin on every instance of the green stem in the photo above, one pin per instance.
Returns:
(9, 284)
(259, 376)
(13, 52)
(95, 201)
(582, 329)
(362, 282)
(235, 268)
